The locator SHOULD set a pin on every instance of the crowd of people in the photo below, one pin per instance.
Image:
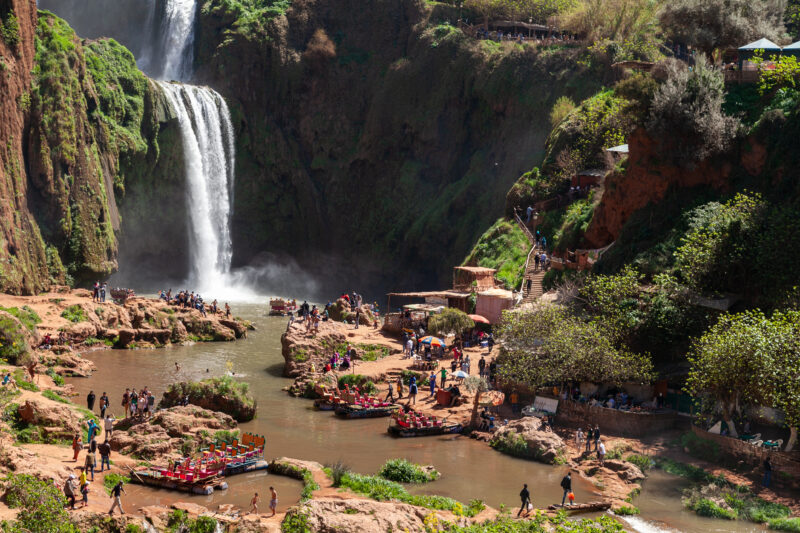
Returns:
(189, 300)
(99, 291)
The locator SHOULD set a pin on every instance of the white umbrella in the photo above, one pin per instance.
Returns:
(461, 374)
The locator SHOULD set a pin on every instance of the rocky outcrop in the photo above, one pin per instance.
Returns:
(55, 420)
(217, 394)
(628, 472)
(526, 437)
(332, 515)
(168, 431)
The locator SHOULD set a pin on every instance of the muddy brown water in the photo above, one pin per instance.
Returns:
(470, 470)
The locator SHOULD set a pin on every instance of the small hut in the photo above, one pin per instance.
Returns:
(748, 51)
(467, 278)
(491, 304)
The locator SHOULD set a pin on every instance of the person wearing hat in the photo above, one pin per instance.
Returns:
(116, 494)
(69, 491)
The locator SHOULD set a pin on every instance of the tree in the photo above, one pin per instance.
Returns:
(522, 10)
(450, 321)
(686, 115)
(709, 25)
(735, 361)
(478, 385)
(616, 20)
(786, 382)
(550, 345)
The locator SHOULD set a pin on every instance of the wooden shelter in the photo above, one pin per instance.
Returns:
(467, 278)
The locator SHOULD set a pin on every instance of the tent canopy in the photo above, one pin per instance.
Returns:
(761, 44)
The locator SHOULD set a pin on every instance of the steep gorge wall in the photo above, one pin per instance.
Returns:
(382, 147)
(79, 124)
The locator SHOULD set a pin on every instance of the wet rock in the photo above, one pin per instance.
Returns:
(239, 329)
(286, 466)
(81, 331)
(126, 336)
(179, 333)
(626, 471)
(544, 446)
(160, 336)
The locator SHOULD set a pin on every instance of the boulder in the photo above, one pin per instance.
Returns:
(333, 515)
(57, 417)
(626, 471)
(160, 336)
(541, 445)
(126, 336)
(81, 331)
(238, 328)
(207, 329)
(223, 394)
(179, 333)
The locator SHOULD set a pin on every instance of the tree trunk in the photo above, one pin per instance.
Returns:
(474, 418)
(792, 439)
(727, 417)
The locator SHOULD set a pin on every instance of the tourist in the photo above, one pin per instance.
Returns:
(481, 366)
(90, 461)
(32, 370)
(566, 484)
(254, 503)
(228, 310)
(358, 316)
(273, 501)
(116, 495)
(126, 401)
(96, 291)
(390, 396)
(432, 382)
(103, 289)
(108, 422)
(151, 402)
(92, 429)
(596, 436)
(444, 377)
(85, 493)
(103, 405)
(412, 390)
(105, 455)
(529, 212)
(589, 438)
(76, 446)
(90, 400)
(579, 437)
(767, 472)
(601, 452)
(134, 403)
(525, 497)
(399, 387)
(69, 491)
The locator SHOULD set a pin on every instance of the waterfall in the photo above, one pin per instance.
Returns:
(177, 39)
(207, 136)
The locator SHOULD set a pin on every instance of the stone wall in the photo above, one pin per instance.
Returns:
(615, 422)
(786, 464)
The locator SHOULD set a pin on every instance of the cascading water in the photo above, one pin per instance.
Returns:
(207, 136)
(177, 39)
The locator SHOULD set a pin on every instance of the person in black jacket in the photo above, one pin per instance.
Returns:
(566, 484)
(525, 496)
(90, 400)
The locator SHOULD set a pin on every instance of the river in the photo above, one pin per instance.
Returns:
(470, 470)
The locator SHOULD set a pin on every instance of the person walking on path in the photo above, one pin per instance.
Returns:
(767, 472)
(444, 377)
(566, 484)
(116, 495)
(390, 394)
(596, 436)
(69, 491)
(273, 500)
(589, 437)
(254, 503)
(76, 446)
(108, 422)
(126, 401)
(525, 497)
(432, 381)
(90, 400)
(89, 463)
(601, 452)
(103, 405)
(105, 455)
(481, 366)
(399, 387)
(412, 390)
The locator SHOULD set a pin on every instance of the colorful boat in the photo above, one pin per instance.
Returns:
(324, 405)
(281, 307)
(413, 425)
(205, 473)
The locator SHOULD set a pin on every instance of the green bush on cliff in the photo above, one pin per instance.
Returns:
(503, 247)
(74, 313)
(404, 471)
(27, 316)
(9, 30)
(13, 343)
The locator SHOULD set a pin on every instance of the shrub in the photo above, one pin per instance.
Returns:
(27, 316)
(450, 321)
(706, 507)
(53, 395)
(686, 116)
(22, 383)
(57, 379)
(404, 471)
(13, 344)
(336, 471)
(41, 505)
(644, 462)
(627, 510)
(74, 313)
(563, 107)
(785, 524)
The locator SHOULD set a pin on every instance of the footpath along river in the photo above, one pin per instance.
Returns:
(470, 470)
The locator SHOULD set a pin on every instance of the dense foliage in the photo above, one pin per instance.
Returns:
(503, 247)
(450, 321)
(220, 394)
(41, 506)
(13, 343)
(551, 345)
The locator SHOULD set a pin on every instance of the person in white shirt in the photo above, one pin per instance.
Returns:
(109, 425)
(601, 452)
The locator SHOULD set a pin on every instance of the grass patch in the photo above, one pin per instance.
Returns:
(74, 313)
(404, 471)
(22, 383)
(628, 510)
(27, 316)
(380, 489)
(503, 247)
(706, 507)
(785, 524)
(112, 479)
(53, 395)
(58, 380)
(644, 462)
(373, 352)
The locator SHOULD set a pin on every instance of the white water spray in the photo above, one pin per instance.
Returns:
(177, 39)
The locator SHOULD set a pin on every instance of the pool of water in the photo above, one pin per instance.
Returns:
(470, 470)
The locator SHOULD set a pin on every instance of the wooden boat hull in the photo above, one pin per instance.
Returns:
(243, 468)
(199, 487)
(347, 411)
(400, 431)
(322, 405)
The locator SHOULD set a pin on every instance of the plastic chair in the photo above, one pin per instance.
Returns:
(757, 443)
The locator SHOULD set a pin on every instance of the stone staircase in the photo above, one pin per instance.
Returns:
(532, 281)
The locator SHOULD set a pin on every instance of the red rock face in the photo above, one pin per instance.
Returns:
(647, 180)
(22, 255)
